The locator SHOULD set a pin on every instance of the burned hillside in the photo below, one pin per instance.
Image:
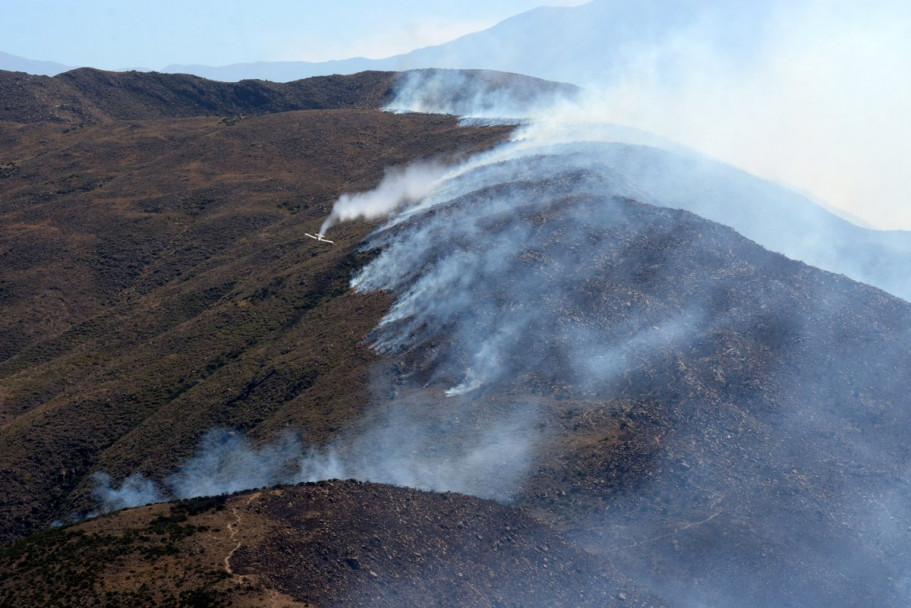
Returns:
(721, 413)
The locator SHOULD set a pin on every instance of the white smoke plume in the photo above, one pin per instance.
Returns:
(225, 462)
(811, 95)
(808, 93)
(398, 186)
(651, 167)
(418, 448)
(493, 96)
(134, 491)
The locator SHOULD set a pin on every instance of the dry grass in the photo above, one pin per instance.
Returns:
(157, 282)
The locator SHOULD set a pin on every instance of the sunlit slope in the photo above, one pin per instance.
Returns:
(157, 282)
(87, 95)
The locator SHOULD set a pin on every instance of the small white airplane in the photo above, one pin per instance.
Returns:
(319, 238)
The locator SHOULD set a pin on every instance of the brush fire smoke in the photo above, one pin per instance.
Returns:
(810, 93)
(575, 269)
(399, 186)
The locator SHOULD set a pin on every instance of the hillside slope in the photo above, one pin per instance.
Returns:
(720, 423)
(157, 282)
(90, 96)
(716, 422)
(336, 543)
(715, 417)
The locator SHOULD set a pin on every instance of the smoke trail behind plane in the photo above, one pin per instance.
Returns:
(398, 186)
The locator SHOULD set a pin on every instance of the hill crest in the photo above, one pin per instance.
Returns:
(90, 96)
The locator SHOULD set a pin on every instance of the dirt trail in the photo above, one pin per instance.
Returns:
(232, 531)
(274, 598)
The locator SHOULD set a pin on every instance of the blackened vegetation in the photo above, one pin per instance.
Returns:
(347, 544)
(8, 170)
(741, 416)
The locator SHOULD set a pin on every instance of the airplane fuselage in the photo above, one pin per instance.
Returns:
(319, 237)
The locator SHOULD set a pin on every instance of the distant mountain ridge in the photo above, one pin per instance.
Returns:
(534, 43)
(547, 42)
(478, 50)
(12, 63)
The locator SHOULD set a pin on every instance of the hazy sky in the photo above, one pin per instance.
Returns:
(116, 34)
(822, 107)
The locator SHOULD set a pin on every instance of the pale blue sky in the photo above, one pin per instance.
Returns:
(116, 34)
(829, 77)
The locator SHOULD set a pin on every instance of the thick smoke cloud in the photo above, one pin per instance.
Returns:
(813, 99)
(651, 168)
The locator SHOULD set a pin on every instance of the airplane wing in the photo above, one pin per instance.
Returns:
(318, 237)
